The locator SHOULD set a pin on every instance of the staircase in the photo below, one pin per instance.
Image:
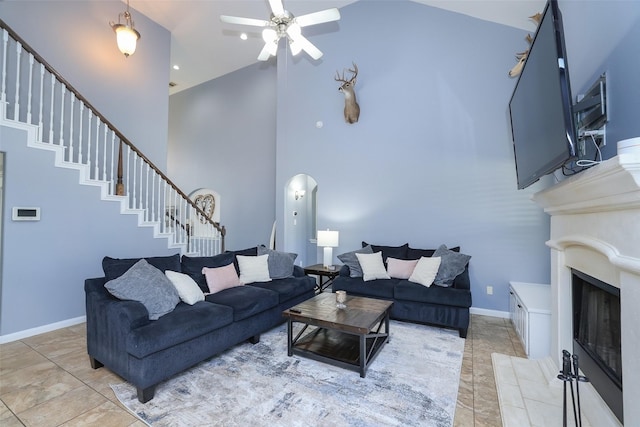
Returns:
(35, 98)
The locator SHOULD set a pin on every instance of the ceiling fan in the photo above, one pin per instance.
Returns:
(283, 24)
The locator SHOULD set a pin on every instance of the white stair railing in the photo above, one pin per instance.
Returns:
(34, 93)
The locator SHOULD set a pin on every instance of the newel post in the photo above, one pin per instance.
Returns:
(119, 184)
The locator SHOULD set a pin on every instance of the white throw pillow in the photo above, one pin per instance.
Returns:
(187, 288)
(425, 271)
(253, 268)
(372, 266)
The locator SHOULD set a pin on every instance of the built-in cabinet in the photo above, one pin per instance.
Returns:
(530, 310)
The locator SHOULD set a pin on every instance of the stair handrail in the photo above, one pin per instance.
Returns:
(116, 131)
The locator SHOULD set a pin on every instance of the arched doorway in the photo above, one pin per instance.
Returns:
(300, 213)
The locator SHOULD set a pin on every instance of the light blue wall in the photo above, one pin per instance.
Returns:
(430, 160)
(222, 136)
(45, 263)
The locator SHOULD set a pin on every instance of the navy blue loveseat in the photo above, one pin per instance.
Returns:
(145, 352)
(446, 306)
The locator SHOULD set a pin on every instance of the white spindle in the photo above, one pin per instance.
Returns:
(41, 103)
(135, 179)
(152, 206)
(126, 176)
(5, 43)
(147, 206)
(72, 102)
(114, 159)
(140, 195)
(96, 173)
(63, 89)
(89, 143)
(80, 132)
(30, 89)
(16, 115)
(53, 93)
(163, 207)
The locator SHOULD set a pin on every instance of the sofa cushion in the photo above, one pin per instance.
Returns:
(280, 263)
(409, 291)
(193, 266)
(452, 264)
(245, 300)
(425, 271)
(413, 253)
(148, 285)
(187, 288)
(372, 266)
(289, 287)
(182, 324)
(253, 268)
(380, 288)
(116, 267)
(219, 278)
(400, 268)
(399, 252)
(351, 260)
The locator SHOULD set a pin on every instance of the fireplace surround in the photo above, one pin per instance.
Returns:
(595, 228)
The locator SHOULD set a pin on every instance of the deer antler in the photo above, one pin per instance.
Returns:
(339, 78)
(354, 71)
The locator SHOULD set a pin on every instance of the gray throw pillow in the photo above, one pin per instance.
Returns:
(451, 265)
(148, 285)
(280, 263)
(351, 260)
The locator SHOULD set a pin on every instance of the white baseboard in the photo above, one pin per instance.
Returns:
(41, 329)
(487, 312)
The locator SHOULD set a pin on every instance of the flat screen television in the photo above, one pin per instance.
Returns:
(542, 123)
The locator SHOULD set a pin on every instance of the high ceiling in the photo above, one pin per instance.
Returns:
(204, 48)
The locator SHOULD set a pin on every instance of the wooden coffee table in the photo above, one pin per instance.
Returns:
(350, 337)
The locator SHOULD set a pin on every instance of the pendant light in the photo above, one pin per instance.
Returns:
(126, 34)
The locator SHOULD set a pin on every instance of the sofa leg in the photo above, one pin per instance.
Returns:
(463, 332)
(255, 339)
(95, 364)
(146, 394)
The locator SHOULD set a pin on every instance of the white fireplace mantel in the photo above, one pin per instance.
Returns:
(595, 228)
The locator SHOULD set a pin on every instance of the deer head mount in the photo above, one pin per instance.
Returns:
(351, 107)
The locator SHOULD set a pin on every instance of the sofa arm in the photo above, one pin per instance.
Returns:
(345, 271)
(298, 271)
(462, 280)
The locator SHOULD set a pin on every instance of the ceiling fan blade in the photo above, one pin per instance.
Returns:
(306, 45)
(320, 17)
(244, 21)
(276, 7)
(265, 53)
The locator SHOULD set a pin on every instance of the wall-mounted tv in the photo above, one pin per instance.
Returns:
(542, 123)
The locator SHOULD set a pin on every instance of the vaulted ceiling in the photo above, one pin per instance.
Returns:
(204, 48)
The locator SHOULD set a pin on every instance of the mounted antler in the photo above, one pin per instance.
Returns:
(351, 107)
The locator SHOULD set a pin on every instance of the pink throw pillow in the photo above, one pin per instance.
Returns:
(400, 268)
(221, 278)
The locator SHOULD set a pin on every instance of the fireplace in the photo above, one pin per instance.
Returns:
(595, 230)
(597, 336)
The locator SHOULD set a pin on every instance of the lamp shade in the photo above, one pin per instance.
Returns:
(328, 238)
(127, 39)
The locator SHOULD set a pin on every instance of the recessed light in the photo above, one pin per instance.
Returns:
(176, 67)
(243, 36)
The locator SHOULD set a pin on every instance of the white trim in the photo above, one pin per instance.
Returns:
(492, 313)
(41, 329)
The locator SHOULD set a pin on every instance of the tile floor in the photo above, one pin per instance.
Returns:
(46, 380)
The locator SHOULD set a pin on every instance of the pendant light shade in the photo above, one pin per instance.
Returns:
(126, 35)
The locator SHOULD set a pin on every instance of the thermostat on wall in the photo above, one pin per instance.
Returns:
(25, 214)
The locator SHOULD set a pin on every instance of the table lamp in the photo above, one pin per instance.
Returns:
(328, 239)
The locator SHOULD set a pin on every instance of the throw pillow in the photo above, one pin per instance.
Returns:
(372, 266)
(219, 278)
(400, 268)
(399, 252)
(453, 263)
(425, 271)
(253, 268)
(148, 285)
(187, 288)
(350, 260)
(280, 263)
(193, 266)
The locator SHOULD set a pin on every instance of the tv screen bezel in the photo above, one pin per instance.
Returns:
(551, 11)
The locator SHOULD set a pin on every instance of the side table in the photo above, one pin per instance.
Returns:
(322, 272)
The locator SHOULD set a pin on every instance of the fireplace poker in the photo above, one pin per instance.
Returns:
(565, 375)
(578, 378)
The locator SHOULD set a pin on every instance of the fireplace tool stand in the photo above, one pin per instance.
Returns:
(568, 377)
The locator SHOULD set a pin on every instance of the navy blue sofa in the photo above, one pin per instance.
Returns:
(442, 306)
(145, 352)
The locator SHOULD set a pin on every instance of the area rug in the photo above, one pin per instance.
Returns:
(413, 381)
